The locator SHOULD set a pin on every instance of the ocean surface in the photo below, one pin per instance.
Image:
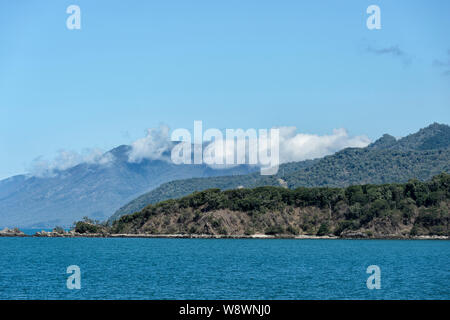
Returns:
(35, 268)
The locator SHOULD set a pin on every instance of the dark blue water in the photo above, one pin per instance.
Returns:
(35, 268)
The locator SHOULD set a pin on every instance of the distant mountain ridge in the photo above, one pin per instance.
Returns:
(89, 189)
(420, 155)
(435, 136)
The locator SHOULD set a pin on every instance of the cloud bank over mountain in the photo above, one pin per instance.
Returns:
(153, 146)
(293, 145)
(296, 146)
(156, 145)
(41, 167)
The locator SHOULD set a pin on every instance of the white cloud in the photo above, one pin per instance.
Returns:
(293, 146)
(42, 167)
(152, 146)
(302, 146)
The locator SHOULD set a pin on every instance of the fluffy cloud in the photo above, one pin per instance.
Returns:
(293, 146)
(42, 167)
(302, 146)
(153, 146)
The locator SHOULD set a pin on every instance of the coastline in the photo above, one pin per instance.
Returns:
(43, 234)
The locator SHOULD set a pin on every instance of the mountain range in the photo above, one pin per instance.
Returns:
(89, 189)
(122, 186)
(421, 155)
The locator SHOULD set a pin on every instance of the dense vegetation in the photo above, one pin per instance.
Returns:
(87, 225)
(363, 166)
(413, 208)
(421, 155)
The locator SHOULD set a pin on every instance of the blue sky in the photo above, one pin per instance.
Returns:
(232, 64)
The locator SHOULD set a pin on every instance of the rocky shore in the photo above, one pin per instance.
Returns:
(72, 234)
(6, 232)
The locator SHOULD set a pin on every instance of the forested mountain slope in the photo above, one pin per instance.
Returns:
(421, 155)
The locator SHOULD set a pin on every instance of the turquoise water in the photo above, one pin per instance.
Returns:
(31, 232)
(35, 268)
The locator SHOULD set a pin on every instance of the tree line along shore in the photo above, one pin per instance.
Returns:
(412, 210)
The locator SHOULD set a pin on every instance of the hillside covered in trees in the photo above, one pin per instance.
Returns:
(421, 156)
(388, 210)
